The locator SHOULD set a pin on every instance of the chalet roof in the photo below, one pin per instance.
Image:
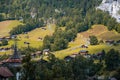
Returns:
(13, 60)
(46, 50)
(5, 72)
(83, 51)
(38, 52)
(68, 58)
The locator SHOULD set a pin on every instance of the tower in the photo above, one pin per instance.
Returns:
(15, 59)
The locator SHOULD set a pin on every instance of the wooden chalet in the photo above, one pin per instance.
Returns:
(110, 42)
(36, 54)
(83, 52)
(5, 73)
(84, 46)
(70, 57)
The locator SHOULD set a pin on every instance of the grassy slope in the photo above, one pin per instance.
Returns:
(33, 37)
(98, 30)
(35, 34)
(6, 26)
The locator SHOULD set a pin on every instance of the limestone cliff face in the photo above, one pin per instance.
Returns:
(112, 6)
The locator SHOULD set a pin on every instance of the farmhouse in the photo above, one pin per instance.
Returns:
(84, 46)
(5, 73)
(68, 58)
(13, 36)
(110, 42)
(83, 52)
(36, 54)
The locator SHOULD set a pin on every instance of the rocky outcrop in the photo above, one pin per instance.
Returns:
(112, 6)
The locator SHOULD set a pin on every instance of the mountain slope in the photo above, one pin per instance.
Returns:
(112, 6)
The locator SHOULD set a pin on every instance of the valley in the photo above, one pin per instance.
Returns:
(59, 39)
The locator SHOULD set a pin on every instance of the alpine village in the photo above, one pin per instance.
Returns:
(59, 39)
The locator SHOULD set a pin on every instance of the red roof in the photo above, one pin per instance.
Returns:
(13, 60)
(5, 72)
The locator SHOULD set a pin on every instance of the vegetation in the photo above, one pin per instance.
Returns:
(7, 26)
(57, 69)
(4, 42)
(112, 60)
(75, 69)
(69, 17)
(25, 28)
(93, 40)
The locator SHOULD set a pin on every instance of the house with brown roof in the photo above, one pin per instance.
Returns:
(5, 73)
(83, 52)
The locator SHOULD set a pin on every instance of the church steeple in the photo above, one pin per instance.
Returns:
(14, 60)
(15, 53)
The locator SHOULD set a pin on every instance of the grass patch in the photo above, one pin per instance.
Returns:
(6, 26)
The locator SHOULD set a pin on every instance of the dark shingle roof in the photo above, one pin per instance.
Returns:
(5, 72)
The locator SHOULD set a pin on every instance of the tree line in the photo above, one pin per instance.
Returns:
(79, 68)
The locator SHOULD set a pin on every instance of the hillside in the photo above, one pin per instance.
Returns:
(6, 26)
(38, 33)
(100, 31)
(34, 37)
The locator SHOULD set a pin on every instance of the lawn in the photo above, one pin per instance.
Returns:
(37, 33)
(92, 50)
(6, 26)
(33, 39)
